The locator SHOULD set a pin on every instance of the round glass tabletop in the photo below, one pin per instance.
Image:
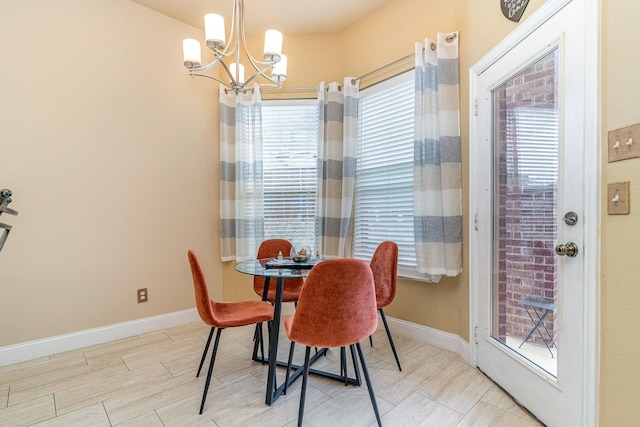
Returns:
(269, 267)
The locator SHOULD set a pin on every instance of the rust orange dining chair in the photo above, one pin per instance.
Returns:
(222, 315)
(384, 265)
(336, 308)
(292, 286)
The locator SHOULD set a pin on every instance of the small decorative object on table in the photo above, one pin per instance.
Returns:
(300, 253)
(300, 258)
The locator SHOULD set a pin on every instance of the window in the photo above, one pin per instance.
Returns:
(384, 171)
(290, 134)
(383, 206)
(537, 132)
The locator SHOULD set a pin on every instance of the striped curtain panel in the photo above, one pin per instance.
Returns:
(437, 167)
(337, 149)
(241, 186)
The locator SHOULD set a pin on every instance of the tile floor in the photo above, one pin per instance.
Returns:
(149, 380)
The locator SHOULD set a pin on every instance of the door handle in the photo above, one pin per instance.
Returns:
(570, 249)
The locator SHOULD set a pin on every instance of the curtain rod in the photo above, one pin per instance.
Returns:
(289, 89)
(384, 67)
(433, 46)
(353, 81)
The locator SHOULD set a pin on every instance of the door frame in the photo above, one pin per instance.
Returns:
(592, 180)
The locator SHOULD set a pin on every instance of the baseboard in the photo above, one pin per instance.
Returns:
(435, 337)
(47, 346)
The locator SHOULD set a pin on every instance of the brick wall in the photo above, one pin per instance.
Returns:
(527, 222)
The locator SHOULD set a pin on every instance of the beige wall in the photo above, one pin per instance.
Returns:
(620, 287)
(110, 150)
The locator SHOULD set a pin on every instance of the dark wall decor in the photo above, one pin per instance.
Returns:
(5, 199)
(513, 9)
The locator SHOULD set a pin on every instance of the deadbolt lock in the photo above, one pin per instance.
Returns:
(570, 218)
(570, 249)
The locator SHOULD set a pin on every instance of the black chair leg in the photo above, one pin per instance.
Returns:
(393, 347)
(355, 365)
(258, 338)
(343, 365)
(303, 392)
(370, 341)
(204, 353)
(369, 385)
(289, 363)
(261, 335)
(213, 360)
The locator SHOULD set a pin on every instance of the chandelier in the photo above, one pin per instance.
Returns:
(274, 62)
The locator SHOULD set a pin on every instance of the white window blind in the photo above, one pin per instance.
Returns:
(384, 172)
(537, 132)
(290, 133)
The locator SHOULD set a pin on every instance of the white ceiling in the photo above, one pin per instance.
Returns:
(287, 16)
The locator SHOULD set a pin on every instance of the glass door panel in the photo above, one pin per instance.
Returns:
(525, 290)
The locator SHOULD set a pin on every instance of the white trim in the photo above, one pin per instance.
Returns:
(425, 334)
(47, 346)
(593, 220)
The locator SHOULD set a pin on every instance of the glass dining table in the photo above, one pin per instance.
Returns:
(272, 269)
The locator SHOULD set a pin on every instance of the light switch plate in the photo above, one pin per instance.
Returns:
(624, 143)
(618, 198)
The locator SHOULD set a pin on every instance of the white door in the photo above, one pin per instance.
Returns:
(534, 175)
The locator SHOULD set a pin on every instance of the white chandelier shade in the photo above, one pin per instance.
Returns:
(214, 31)
(238, 74)
(228, 53)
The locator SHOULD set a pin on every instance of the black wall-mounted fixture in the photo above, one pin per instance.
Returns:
(5, 199)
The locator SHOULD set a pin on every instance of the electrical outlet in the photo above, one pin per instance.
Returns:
(143, 296)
